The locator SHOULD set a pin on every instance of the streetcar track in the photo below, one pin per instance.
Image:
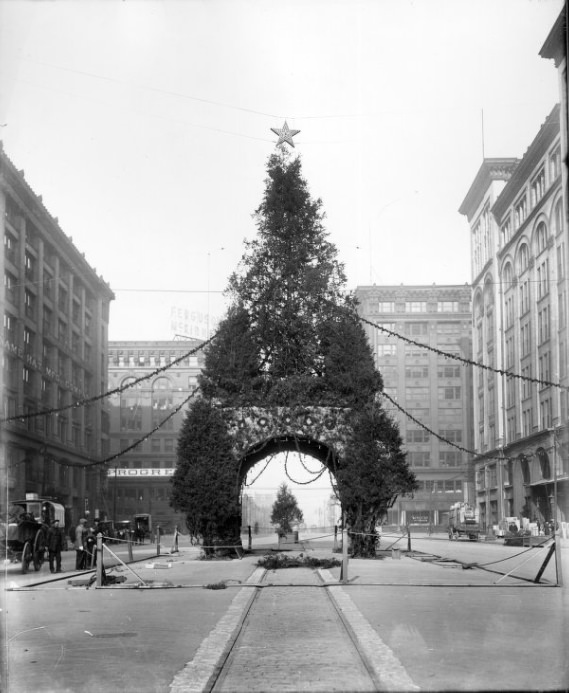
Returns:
(366, 657)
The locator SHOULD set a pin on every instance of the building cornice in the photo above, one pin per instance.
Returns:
(13, 181)
(555, 46)
(490, 170)
(534, 153)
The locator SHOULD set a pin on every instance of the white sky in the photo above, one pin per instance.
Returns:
(146, 125)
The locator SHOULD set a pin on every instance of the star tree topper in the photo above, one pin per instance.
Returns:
(285, 134)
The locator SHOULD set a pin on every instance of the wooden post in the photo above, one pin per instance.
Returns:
(99, 574)
(344, 551)
(174, 548)
(157, 540)
(250, 539)
(408, 538)
(545, 562)
(129, 546)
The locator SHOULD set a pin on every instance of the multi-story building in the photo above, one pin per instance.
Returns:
(519, 244)
(144, 423)
(431, 391)
(54, 349)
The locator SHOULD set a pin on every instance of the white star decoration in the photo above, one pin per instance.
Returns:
(285, 134)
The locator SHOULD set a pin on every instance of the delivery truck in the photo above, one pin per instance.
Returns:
(463, 521)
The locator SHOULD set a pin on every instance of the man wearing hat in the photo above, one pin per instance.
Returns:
(54, 546)
(78, 545)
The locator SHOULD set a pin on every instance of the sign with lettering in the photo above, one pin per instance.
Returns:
(138, 473)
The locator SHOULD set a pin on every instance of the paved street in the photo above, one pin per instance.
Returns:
(437, 625)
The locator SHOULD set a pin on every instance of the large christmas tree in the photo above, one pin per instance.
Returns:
(292, 338)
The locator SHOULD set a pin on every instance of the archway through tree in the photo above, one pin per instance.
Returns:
(289, 369)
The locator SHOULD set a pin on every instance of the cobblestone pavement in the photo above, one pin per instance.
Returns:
(438, 626)
(296, 636)
(276, 648)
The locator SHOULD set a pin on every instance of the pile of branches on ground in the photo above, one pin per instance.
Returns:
(281, 560)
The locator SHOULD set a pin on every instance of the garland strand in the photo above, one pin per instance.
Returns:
(109, 393)
(437, 435)
(302, 483)
(465, 361)
(94, 463)
(259, 474)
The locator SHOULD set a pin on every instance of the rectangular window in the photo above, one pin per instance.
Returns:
(450, 458)
(545, 413)
(554, 165)
(561, 261)
(9, 327)
(417, 435)
(451, 434)
(417, 372)
(419, 458)
(416, 306)
(10, 247)
(29, 304)
(538, 187)
(386, 349)
(525, 339)
(449, 393)
(544, 367)
(543, 279)
(448, 306)
(386, 307)
(11, 287)
(448, 372)
(448, 328)
(30, 267)
(524, 297)
(527, 421)
(416, 393)
(543, 325)
(416, 328)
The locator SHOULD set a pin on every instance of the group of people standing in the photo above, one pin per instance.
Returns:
(84, 544)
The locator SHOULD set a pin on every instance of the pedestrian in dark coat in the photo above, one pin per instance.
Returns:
(54, 546)
(79, 546)
(90, 546)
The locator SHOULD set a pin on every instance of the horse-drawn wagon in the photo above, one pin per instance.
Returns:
(26, 531)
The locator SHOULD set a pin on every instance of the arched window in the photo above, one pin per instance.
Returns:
(507, 276)
(130, 405)
(524, 466)
(478, 305)
(541, 238)
(558, 217)
(544, 465)
(523, 258)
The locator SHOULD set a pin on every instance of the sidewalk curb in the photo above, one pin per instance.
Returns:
(200, 673)
(382, 661)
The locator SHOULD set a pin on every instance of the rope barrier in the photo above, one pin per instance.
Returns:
(123, 563)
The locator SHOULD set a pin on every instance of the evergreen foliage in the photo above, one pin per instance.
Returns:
(285, 510)
(292, 335)
(204, 483)
(371, 474)
(292, 338)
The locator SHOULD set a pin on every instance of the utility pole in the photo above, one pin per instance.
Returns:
(556, 531)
